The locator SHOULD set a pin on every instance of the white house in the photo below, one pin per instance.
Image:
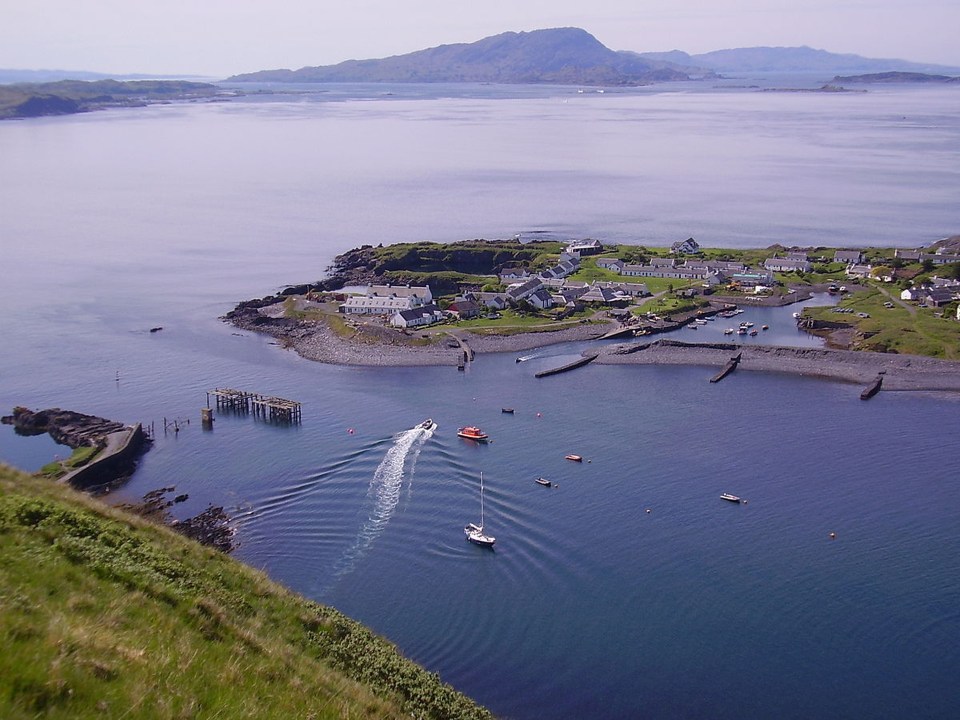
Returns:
(516, 293)
(848, 257)
(540, 298)
(387, 299)
(685, 247)
(776, 264)
(607, 263)
(417, 317)
(422, 293)
(584, 247)
(377, 304)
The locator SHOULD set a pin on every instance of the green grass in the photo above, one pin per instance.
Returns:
(103, 614)
(80, 456)
(896, 329)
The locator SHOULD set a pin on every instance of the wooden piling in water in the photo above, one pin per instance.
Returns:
(265, 407)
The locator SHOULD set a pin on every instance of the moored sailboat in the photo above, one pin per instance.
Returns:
(475, 532)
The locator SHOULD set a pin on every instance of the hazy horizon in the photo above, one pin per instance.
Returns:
(220, 38)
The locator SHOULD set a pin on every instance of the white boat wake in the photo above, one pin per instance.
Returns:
(384, 492)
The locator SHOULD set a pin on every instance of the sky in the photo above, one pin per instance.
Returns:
(217, 38)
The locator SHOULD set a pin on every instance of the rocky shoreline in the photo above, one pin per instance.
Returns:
(383, 347)
(900, 372)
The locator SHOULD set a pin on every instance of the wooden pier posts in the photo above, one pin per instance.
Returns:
(272, 409)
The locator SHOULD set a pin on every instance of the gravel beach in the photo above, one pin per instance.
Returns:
(900, 372)
(384, 347)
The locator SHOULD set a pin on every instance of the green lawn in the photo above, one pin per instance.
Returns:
(896, 329)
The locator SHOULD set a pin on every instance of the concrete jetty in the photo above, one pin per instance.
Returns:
(873, 388)
(728, 368)
(580, 362)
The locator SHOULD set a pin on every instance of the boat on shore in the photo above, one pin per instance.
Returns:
(730, 498)
(543, 481)
(575, 458)
(471, 432)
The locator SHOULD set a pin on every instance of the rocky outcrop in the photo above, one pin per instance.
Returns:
(64, 426)
(119, 445)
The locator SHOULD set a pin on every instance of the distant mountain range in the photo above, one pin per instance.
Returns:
(572, 56)
(569, 56)
(787, 59)
(9, 76)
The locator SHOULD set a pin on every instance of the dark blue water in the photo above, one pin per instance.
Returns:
(590, 606)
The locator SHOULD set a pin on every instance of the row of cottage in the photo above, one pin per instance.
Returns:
(408, 306)
(412, 306)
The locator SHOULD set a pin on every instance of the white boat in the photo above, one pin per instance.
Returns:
(427, 424)
(474, 532)
(731, 498)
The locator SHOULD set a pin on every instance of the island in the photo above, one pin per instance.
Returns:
(67, 97)
(442, 303)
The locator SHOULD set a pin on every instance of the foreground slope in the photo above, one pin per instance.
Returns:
(103, 614)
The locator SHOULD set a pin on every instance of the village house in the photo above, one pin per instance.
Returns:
(939, 296)
(561, 270)
(752, 278)
(848, 257)
(540, 298)
(421, 293)
(513, 274)
(606, 263)
(941, 257)
(787, 264)
(624, 288)
(584, 247)
(465, 308)
(521, 291)
(685, 247)
(597, 294)
(417, 317)
(859, 271)
(377, 304)
(913, 294)
(491, 300)
(387, 299)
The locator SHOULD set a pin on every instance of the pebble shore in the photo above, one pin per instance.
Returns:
(316, 341)
(900, 372)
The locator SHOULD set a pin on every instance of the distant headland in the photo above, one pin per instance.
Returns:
(67, 97)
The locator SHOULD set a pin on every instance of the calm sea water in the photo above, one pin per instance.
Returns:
(590, 606)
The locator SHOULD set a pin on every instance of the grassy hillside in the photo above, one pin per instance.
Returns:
(103, 614)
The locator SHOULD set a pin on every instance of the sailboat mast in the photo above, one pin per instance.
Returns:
(481, 498)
